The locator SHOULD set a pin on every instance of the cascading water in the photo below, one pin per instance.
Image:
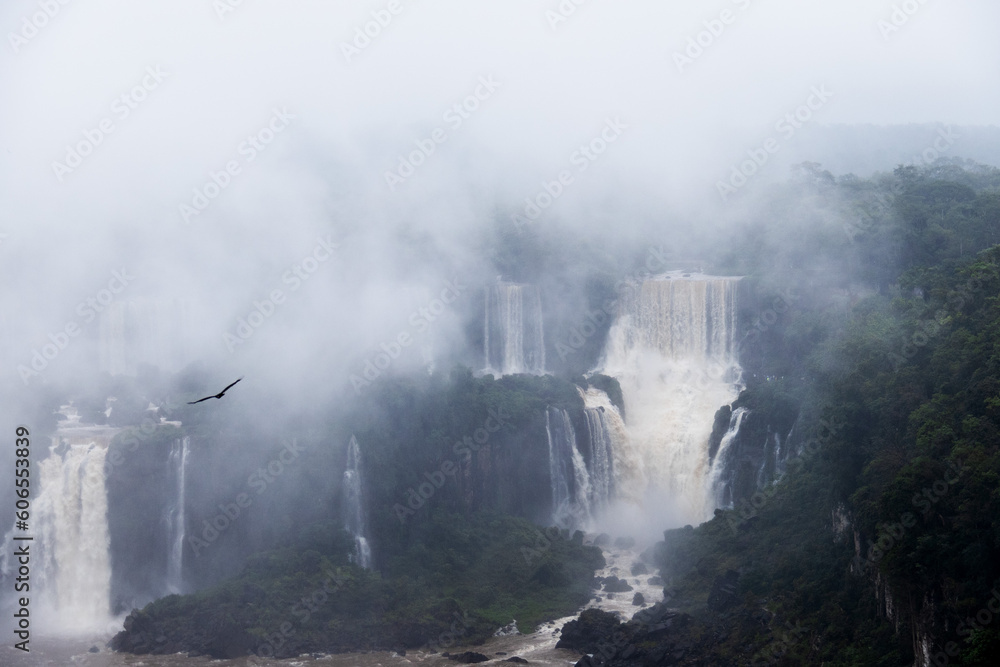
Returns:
(72, 571)
(672, 348)
(514, 338)
(354, 521)
(176, 519)
(567, 472)
(607, 443)
(71, 519)
(722, 495)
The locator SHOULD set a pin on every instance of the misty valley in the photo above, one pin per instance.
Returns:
(560, 333)
(629, 458)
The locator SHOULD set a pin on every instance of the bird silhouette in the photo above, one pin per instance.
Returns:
(219, 395)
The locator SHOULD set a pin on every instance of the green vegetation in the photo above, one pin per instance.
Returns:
(463, 447)
(467, 579)
(886, 531)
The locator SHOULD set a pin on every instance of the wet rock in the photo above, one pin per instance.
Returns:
(723, 593)
(655, 580)
(639, 568)
(517, 659)
(638, 599)
(602, 540)
(586, 632)
(613, 584)
(467, 658)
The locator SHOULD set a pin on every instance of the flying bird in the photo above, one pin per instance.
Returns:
(219, 395)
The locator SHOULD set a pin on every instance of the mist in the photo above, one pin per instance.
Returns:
(314, 196)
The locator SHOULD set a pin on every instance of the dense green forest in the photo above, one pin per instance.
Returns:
(874, 326)
(882, 538)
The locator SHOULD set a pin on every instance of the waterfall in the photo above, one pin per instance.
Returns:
(514, 339)
(607, 443)
(672, 348)
(567, 472)
(716, 484)
(176, 519)
(354, 520)
(71, 535)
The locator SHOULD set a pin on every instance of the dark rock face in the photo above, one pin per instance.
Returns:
(723, 594)
(639, 568)
(467, 658)
(517, 659)
(615, 585)
(587, 632)
(219, 640)
(760, 448)
(602, 540)
(638, 599)
(655, 580)
(654, 636)
(138, 489)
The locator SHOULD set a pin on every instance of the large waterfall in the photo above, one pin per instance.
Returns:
(176, 519)
(571, 492)
(673, 349)
(69, 522)
(514, 335)
(354, 512)
(71, 529)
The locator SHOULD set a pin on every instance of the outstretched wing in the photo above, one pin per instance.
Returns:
(200, 400)
(227, 388)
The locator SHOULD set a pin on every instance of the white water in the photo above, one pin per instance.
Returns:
(71, 536)
(608, 448)
(70, 552)
(719, 464)
(354, 520)
(567, 472)
(514, 337)
(672, 347)
(175, 564)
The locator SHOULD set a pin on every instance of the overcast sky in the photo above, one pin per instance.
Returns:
(199, 77)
